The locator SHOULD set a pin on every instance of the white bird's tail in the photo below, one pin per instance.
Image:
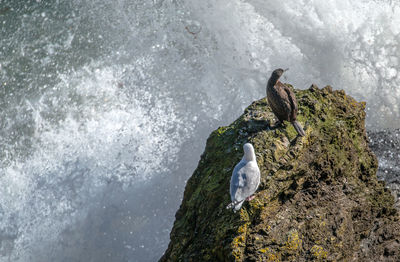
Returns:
(235, 205)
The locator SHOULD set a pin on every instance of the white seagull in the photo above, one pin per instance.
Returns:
(245, 178)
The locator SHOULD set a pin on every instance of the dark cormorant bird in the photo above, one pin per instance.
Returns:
(282, 100)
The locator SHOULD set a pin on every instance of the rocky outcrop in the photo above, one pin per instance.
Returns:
(319, 197)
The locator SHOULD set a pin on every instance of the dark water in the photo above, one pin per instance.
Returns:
(105, 106)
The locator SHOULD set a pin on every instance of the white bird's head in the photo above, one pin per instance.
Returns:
(249, 154)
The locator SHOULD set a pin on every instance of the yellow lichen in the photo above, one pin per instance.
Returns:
(270, 256)
(242, 229)
(318, 252)
(221, 130)
(256, 204)
(239, 242)
(293, 242)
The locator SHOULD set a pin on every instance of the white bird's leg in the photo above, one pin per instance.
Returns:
(250, 197)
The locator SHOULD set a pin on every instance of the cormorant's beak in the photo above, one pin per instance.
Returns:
(286, 70)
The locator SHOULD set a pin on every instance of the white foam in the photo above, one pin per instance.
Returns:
(107, 136)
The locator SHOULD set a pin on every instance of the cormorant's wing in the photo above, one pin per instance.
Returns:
(293, 101)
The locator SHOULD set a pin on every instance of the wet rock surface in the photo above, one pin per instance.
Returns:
(319, 198)
(386, 146)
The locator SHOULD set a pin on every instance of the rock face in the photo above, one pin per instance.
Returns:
(319, 197)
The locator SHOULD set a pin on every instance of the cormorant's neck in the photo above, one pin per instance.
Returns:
(272, 81)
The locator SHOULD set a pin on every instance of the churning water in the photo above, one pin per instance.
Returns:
(106, 105)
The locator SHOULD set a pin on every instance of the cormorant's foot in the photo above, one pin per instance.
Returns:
(279, 124)
(250, 198)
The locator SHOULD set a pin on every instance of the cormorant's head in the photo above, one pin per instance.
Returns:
(277, 74)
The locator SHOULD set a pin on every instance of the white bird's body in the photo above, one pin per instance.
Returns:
(245, 178)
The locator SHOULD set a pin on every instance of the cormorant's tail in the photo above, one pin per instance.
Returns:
(235, 205)
(298, 128)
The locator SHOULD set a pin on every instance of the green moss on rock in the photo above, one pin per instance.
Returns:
(319, 197)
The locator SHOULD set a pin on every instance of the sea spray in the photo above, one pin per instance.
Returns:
(105, 106)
